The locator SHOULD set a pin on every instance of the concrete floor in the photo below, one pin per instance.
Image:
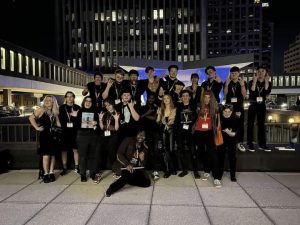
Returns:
(257, 198)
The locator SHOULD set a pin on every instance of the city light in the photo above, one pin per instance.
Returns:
(270, 118)
(291, 120)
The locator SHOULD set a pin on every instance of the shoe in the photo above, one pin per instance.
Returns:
(241, 147)
(174, 172)
(97, 178)
(205, 176)
(233, 179)
(167, 174)
(108, 192)
(64, 172)
(183, 173)
(196, 175)
(265, 148)
(77, 170)
(116, 176)
(217, 183)
(46, 178)
(51, 177)
(83, 178)
(251, 148)
(155, 176)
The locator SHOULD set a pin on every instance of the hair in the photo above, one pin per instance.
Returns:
(196, 75)
(185, 91)
(126, 89)
(172, 66)
(69, 92)
(163, 106)
(234, 69)
(263, 66)
(133, 72)
(98, 74)
(227, 106)
(109, 101)
(148, 68)
(213, 105)
(209, 68)
(119, 71)
(54, 109)
(82, 104)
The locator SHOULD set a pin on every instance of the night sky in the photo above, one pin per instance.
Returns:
(19, 23)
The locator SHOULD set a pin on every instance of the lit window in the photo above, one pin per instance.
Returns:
(256, 1)
(114, 16)
(298, 80)
(40, 68)
(33, 66)
(287, 81)
(3, 59)
(79, 62)
(74, 64)
(12, 60)
(280, 81)
(274, 81)
(228, 31)
(265, 4)
(19, 62)
(209, 24)
(97, 61)
(293, 81)
(155, 45)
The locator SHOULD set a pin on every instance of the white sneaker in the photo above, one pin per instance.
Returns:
(205, 176)
(217, 183)
(155, 176)
(241, 147)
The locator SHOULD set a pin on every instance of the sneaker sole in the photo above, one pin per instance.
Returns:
(266, 150)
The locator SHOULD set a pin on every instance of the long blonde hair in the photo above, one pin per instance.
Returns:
(54, 109)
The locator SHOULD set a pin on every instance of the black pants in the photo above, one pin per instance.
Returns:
(152, 138)
(169, 153)
(240, 126)
(230, 148)
(258, 110)
(204, 141)
(87, 144)
(186, 150)
(137, 178)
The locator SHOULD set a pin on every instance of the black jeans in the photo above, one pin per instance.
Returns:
(207, 150)
(258, 110)
(240, 126)
(137, 178)
(230, 148)
(153, 161)
(169, 153)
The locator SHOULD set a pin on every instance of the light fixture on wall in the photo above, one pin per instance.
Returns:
(291, 120)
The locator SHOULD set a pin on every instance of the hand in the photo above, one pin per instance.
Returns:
(40, 129)
(74, 113)
(164, 74)
(130, 168)
(242, 82)
(218, 79)
(178, 88)
(267, 77)
(130, 104)
(254, 78)
(228, 80)
(101, 116)
(238, 114)
(158, 112)
(110, 82)
(94, 123)
(116, 116)
(85, 90)
(161, 91)
(142, 156)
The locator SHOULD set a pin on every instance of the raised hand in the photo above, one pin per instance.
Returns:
(74, 113)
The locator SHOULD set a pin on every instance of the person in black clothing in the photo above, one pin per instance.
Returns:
(135, 87)
(173, 85)
(185, 118)
(148, 123)
(95, 90)
(87, 137)
(235, 91)
(114, 87)
(131, 158)
(195, 89)
(44, 120)
(229, 133)
(259, 88)
(213, 83)
(66, 117)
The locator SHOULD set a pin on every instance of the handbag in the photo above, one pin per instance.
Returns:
(219, 137)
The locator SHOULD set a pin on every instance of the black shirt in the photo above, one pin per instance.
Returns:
(231, 124)
(213, 86)
(115, 90)
(234, 95)
(259, 91)
(171, 87)
(185, 117)
(95, 92)
(64, 117)
(149, 125)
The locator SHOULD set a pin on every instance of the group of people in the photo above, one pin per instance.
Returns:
(176, 128)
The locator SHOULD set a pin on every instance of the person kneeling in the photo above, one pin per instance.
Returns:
(131, 161)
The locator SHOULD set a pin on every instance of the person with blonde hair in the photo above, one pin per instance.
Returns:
(44, 120)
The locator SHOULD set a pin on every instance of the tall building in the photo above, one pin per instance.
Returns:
(240, 26)
(94, 34)
(292, 57)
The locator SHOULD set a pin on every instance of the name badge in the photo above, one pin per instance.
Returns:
(117, 101)
(107, 133)
(259, 99)
(70, 125)
(205, 126)
(185, 126)
(233, 100)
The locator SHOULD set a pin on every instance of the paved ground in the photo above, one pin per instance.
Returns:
(257, 198)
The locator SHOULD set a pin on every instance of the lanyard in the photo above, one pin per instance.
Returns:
(108, 121)
(205, 117)
(186, 117)
(133, 90)
(209, 87)
(233, 88)
(171, 88)
(69, 118)
(117, 89)
(260, 90)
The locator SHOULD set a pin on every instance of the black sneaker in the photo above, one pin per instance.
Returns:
(108, 192)
(183, 173)
(46, 178)
(233, 179)
(197, 175)
(83, 178)
(64, 172)
(167, 174)
(265, 148)
(52, 177)
(251, 148)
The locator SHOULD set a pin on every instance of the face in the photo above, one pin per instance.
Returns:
(194, 80)
(109, 107)
(126, 97)
(234, 75)
(211, 74)
(69, 98)
(133, 78)
(206, 99)
(119, 77)
(150, 73)
(88, 103)
(167, 99)
(173, 72)
(261, 73)
(227, 113)
(48, 102)
(151, 99)
(97, 79)
(185, 97)
(140, 137)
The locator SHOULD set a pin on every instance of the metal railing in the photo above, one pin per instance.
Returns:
(17, 133)
(23, 63)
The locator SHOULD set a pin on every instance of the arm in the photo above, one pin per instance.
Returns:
(172, 117)
(32, 118)
(134, 114)
(85, 91)
(117, 121)
(254, 80)
(108, 86)
(226, 85)
(243, 87)
(121, 152)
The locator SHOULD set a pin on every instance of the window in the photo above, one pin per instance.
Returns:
(33, 66)
(40, 68)
(27, 64)
(274, 81)
(280, 83)
(293, 81)
(12, 60)
(298, 80)
(287, 81)
(19, 62)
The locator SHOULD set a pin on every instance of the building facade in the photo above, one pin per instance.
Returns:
(292, 57)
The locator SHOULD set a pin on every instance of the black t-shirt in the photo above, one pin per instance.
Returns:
(171, 87)
(147, 123)
(116, 89)
(234, 95)
(231, 124)
(95, 92)
(260, 91)
(64, 115)
(185, 117)
(213, 86)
